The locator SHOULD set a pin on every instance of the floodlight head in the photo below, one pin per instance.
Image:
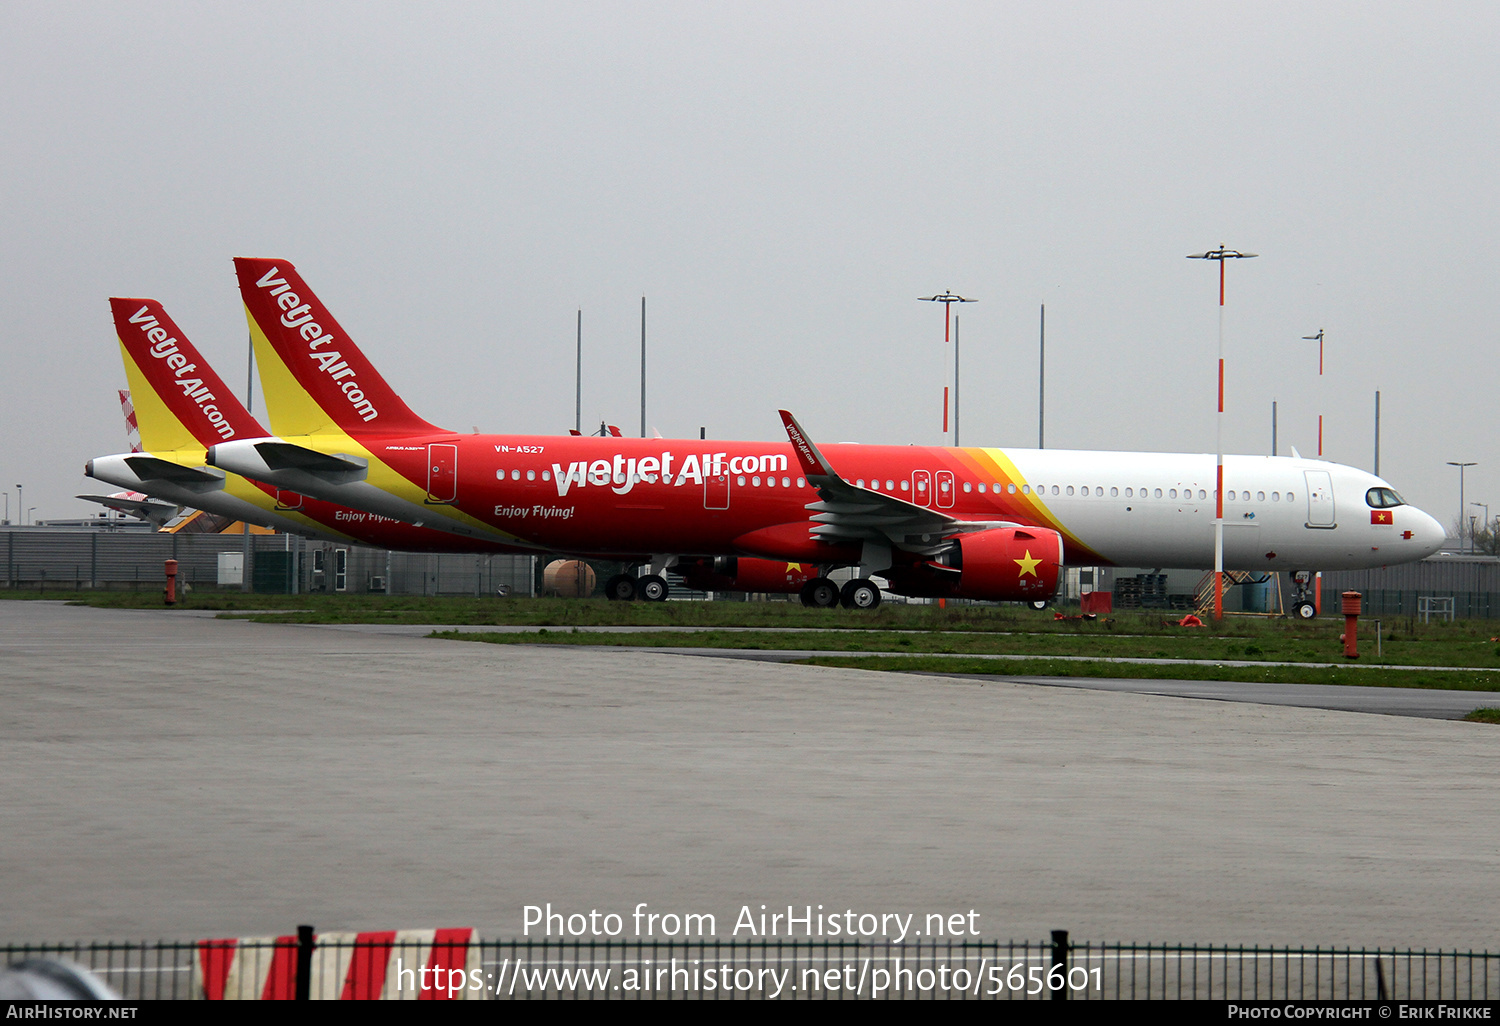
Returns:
(1222, 254)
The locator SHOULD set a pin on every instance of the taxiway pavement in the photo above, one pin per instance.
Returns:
(177, 776)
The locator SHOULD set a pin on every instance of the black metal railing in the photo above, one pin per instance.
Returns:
(433, 964)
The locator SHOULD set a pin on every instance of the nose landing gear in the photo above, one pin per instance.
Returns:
(1304, 605)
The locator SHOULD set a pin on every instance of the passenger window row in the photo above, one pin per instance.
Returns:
(1376, 497)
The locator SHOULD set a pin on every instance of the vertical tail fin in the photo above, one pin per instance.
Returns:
(180, 402)
(315, 379)
(132, 429)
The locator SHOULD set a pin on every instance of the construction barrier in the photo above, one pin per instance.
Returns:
(390, 965)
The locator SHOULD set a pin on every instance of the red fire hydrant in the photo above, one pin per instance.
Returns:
(1350, 637)
(171, 595)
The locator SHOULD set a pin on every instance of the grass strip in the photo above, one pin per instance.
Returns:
(555, 612)
(1298, 649)
(1351, 675)
(1484, 714)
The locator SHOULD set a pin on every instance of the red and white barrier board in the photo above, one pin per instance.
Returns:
(388, 965)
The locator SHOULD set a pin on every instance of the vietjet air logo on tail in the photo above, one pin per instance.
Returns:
(159, 350)
(298, 316)
(319, 355)
(165, 347)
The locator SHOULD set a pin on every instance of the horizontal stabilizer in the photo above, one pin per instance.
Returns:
(150, 468)
(286, 456)
(157, 513)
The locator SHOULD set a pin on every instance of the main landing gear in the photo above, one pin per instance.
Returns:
(624, 588)
(860, 594)
(820, 593)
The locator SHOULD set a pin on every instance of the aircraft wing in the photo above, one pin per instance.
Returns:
(848, 513)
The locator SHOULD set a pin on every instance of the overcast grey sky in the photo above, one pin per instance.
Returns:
(782, 181)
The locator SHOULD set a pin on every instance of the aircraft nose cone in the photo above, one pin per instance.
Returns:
(1428, 533)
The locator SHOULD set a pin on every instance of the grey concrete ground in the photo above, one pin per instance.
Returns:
(1426, 702)
(167, 775)
(1432, 703)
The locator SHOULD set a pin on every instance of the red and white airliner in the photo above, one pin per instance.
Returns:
(966, 522)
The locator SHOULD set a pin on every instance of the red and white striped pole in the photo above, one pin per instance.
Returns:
(948, 299)
(1221, 254)
(1318, 338)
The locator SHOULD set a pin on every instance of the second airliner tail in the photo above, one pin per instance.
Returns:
(316, 380)
(180, 403)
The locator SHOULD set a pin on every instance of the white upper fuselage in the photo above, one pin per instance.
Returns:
(1280, 513)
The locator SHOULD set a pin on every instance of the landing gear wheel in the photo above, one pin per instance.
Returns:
(620, 588)
(860, 594)
(1305, 611)
(820, 593)
(1038, 604)
(651, 588)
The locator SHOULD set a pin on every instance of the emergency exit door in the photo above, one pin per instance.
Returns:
(944, 481)
(921, 487)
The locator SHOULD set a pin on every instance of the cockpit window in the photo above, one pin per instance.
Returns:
(1383, 498)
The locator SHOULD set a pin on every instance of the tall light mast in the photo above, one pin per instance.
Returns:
(1318, 338)
(948, 299)
(1221, 254)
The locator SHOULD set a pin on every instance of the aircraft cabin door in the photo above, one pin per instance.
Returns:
(442, 473)
(945, 488)
(287, 500)
(921, 487)
(1319, 499)
(716, 491)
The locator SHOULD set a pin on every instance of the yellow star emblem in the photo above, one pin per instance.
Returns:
(1027, 565)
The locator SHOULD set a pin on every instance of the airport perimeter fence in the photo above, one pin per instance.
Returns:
(404, 967)
(74, 559)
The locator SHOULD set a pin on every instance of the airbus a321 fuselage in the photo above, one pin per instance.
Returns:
(975, 522)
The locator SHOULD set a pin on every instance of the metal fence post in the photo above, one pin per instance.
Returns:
(1060, 963)
(304, 962)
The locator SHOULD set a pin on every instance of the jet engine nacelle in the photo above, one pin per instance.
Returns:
(743, 573)
(1004, 564)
